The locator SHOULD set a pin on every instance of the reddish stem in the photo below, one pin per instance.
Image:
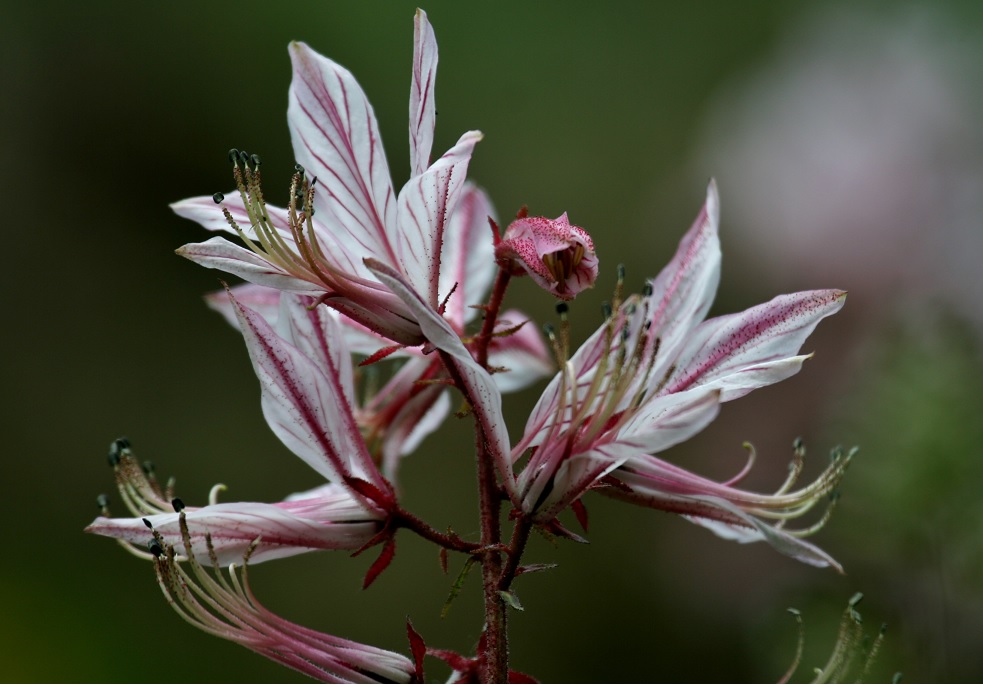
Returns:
(491, 315)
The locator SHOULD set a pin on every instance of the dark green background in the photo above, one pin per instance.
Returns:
(109, 111)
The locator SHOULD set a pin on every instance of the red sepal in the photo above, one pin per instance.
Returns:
(580, 511)
(418, 648)
(380, 564)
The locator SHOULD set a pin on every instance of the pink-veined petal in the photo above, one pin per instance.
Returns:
(336, 139)
(467, 260)
(485, 396)
(316, 332)
(684, 290)
(305, 407)
(425, 206)
(422, 99)
(578, 474)
(286, 528)
(742, 352)
(219, 253)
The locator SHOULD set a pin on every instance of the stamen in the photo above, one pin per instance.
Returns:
(214, 493)
(102, 501)
(177, 503)
(218, 198)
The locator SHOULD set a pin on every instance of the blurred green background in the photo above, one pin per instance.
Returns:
(846, 141)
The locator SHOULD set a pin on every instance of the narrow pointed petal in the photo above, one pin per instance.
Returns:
(285, 529)
(210, 216)
(485, 396)
(742, 352)
(336, 139)
(467, 260)
(683, 292)
(425, 206)
(305, 407)
(757, 530)
(577, 475)
(423, 107)
(219, 253)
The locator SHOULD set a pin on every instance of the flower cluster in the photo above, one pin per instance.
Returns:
(365, 309)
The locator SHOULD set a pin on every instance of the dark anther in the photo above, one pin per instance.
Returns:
(647, 290)
(313, 181)
(562, 308)
(116, 448)
(233, 155)
(148, 468)
(177, 504)
(147, 523)
(102, 501)
(255, 160)
(244, 157)
(298, 168)
(549, 330)
(155, 547)
(218, 198)
(606, 310)
(621, 272)
(798, 444)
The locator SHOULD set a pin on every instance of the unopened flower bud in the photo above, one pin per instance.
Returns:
(558, 255)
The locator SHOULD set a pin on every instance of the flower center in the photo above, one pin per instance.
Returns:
(562, 263)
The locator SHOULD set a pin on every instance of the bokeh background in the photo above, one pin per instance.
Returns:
(846, 140)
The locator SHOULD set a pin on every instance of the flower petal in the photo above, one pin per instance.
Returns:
(668, 420)
(467, 259)
(423, 112)
(485, 396)
(741, 352)
(425, 206)
(523, 354)
(328, 521)
(336, 139)
(684, 290)
(219, 253)
(305, 406)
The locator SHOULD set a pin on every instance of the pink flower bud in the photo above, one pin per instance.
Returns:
(558, 255)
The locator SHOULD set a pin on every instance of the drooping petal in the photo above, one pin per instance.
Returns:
(479, 386)
(306, 407)
(668, 420)
(684, 290)
(425, 206)
(219, 253)
(336, 139)
(741, 352)
(334, 521)
(423, 104)
(467, 260)
(757, 530)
